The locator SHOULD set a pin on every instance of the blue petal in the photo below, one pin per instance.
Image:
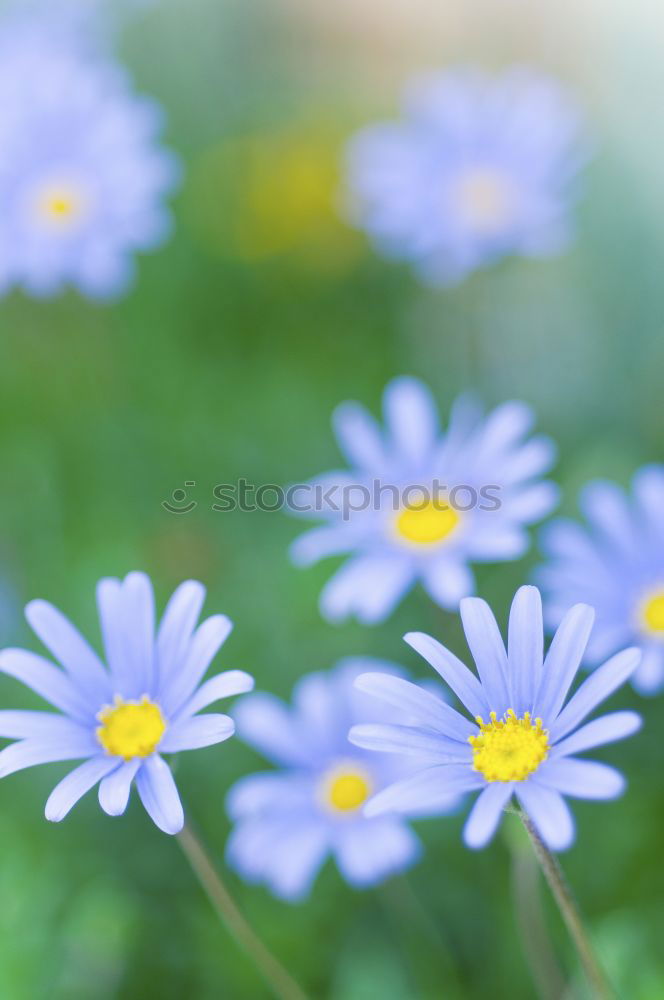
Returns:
(562, 661)
(225, 685)
(486, 812)
(423, 706)
(46, 727)
(549, 813)
(114, 789)
(271, 791)
(284, 853)
(464, 684)
(359, 437)
(606, 729)
(66, 794)
(602, 682)
(204, 646)
(411, 418)
(526, 647)
(368, 587)
(70, 649)
(427, 789)
(369, 851)
(486, 645)
(648, 678)
(48, 682)
(266, 723)
(447, 581)
(177, 625)
(431, 747)
(159, 794)
(30, 753)
(583, 779)
(199, 731)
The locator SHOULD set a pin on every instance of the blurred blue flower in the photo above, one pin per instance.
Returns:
(616, 564)
(431, 502)
(478, 169)
(523, 740)
(121, 719)
(289, 821)
(82, 178)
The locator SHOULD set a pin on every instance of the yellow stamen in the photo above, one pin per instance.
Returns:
(131, 728)
(652, 613)
(484, 198)
(427, 523)
(60, 205)
(345, 788)
(509, 749)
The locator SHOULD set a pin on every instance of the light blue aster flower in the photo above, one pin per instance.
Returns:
(464, 495)
(120, 718)
(524, 739)
(477, 169)
(287, 822)
(615, 563)
(82, 177)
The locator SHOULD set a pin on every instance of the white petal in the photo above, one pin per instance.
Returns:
(66, 794)
(464, 684)
(485, 815)
(159, 794)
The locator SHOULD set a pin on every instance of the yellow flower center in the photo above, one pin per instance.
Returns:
(60, 205)
(509, 749)
(131, 728)
(652, 614)
(427, 523)
(345, 788)
(484, 198)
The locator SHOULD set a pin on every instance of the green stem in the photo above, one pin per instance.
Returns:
(569, 911)
(275, 975)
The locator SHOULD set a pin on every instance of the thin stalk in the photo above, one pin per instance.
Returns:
(275, 975)
(553, 873)
(540, 956)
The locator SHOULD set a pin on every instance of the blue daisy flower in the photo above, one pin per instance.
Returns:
(522, 740)
(615, 563)
(82, 177)
(422, 504)
(288, 821)
(477, 169)
(120, 718)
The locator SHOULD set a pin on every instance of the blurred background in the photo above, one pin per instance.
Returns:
(225, 361)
